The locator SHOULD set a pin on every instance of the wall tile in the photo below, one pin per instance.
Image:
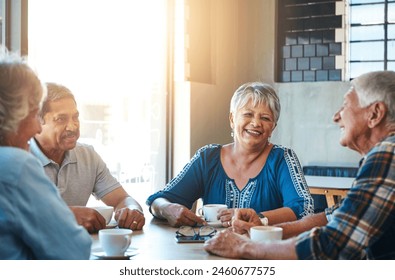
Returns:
(328, 62)
(297, 51)
(316, 63)
(291, 39)
(297, 76)
(290, 64)
(286, 51)
(322, 75)
(335, 49)
(309, 76)
(309, 50)
(335, 75)
(286, 76)
(303, 38)
(322, 50)
(303, 63)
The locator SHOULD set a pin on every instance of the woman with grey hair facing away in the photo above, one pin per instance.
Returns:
(250, 172)
(35, 223)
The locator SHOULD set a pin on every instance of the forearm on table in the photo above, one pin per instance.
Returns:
(158, 207)
(280, 215)
(130, 203)
(307, 223)
(119, 199)
(282, 250)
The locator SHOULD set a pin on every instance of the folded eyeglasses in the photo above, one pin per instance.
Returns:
(196, 232)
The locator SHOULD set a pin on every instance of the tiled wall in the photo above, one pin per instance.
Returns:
(307, 46)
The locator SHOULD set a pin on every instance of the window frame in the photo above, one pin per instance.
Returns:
(385, 61)
(14, 27)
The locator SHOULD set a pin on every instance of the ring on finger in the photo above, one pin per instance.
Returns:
(134, 222)
(229, 223)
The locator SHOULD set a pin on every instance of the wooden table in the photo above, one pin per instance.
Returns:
(331, 187)
(157, 242)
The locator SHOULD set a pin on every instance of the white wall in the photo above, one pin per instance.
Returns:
(306, 123)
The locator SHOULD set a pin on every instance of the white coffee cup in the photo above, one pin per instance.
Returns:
(115, 241)
(266, 233)
(105, 211)
(211, 211)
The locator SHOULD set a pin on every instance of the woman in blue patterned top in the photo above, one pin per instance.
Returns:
(251, 172)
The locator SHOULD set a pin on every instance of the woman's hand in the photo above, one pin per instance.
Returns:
(178, 215)
(226, 216)
(241, 219)
(244, 219)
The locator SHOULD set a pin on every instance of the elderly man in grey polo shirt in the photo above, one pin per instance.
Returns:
(76, 169)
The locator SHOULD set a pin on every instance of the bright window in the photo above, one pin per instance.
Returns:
(372, 36)
(2, 16)
(112, 55)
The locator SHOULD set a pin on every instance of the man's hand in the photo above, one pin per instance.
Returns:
(129, 218)
(227, 244)
(89, 218)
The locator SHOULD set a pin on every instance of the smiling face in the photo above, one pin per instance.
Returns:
(252, 126)
(353, 122)
(61, 127)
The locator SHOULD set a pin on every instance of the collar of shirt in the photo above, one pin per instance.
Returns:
(70, 156)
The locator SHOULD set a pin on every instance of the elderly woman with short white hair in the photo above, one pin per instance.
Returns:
(250, 172)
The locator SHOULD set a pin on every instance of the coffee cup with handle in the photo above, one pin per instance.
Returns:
(106, 211)
(115, 241)
(211, 211)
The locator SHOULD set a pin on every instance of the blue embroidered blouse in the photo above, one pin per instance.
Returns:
(280, 183)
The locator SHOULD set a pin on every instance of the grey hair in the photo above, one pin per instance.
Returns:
(377, 86)
(54, 92)
(259, 93)
(20, 91)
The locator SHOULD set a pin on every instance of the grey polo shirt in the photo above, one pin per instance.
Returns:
(82, 173)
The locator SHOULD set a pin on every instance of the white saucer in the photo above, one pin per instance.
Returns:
(215, 224)
(100, 254)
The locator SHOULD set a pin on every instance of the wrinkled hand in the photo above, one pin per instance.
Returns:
(178, 215)
(226, 244)
(244, 219)
(226, 216)
(129, 218)
(89, 218)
